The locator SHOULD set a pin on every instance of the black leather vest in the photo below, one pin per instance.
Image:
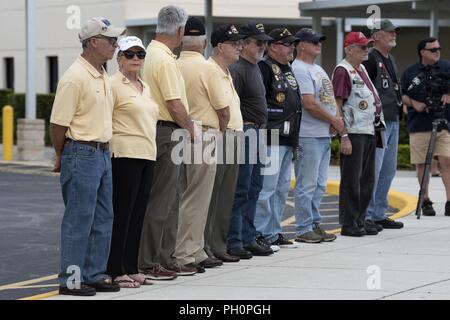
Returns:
(283, 99)
(388, 88)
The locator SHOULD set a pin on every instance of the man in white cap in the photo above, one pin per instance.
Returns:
(81, 127)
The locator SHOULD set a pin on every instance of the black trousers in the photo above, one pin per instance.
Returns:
(132, 180)
(357, 180)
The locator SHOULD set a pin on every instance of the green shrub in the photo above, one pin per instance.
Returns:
(403, 157)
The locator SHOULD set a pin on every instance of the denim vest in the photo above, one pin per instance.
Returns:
(359, 109)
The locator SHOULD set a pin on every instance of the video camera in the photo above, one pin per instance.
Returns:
(436, 84)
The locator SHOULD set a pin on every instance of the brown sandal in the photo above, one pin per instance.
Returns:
(127, 282)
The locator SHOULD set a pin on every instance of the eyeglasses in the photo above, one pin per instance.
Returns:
(315, 42)
(259, 43)
(362, 47)
(112, 41)
(287, 45)
(234, 44)
(434, 50)
(131, 54)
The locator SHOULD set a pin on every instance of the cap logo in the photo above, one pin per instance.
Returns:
(260, 27)
(286, 32)
(233, 29)
(106, 23)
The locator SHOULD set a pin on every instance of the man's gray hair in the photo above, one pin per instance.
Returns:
(190, 42)
(170, 19)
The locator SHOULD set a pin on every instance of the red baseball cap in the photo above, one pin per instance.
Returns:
(357, 38)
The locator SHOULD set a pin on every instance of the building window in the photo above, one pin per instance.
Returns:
(9, 73)
(52, 63)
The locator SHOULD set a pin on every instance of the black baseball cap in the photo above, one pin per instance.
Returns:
(282, 35)
(194, 27)
(308, 35)
(255, 31)
(225, 33)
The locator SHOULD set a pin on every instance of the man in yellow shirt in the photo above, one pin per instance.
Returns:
(81, 127)
(208, 106)
(166, 84)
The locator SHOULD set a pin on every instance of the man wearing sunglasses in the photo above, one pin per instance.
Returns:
(420, 120)
(81, 128)
(382, 70)
(319, 120)
(250, 88)
(360, 105)
(284, 110)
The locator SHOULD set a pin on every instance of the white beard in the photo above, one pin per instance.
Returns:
(392, 44)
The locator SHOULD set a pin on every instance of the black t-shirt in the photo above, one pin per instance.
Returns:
(420, 121)
(249, 86)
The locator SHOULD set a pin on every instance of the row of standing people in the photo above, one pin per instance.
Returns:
(174, 218)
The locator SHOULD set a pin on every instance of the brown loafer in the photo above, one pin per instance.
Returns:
(225, 257)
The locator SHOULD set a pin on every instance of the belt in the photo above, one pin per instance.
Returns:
(168, 124)
(96, 145)
(255, 125)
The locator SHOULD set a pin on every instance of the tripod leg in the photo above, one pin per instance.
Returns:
(426, 171)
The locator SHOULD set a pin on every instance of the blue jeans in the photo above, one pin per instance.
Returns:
(86, 183)
(311, 172)
(242, 230)
(272, 198)
(385, 168)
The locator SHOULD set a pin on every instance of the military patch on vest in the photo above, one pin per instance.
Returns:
(281, 97)
(291, 79)
(276, 69)
(363, 105)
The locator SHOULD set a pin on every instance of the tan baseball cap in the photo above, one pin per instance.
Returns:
(99, 26)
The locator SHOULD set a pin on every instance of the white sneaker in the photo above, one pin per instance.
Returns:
(275, 248)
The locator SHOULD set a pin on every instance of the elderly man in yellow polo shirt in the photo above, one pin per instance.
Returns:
(81, 127)
(208, 106)
(226, 50)
(167, 88)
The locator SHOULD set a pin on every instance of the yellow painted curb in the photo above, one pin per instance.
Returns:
(405, 203)
(41, 296)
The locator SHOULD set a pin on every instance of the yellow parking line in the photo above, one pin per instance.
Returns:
(34, 287)
(28, 282)
(42, 296)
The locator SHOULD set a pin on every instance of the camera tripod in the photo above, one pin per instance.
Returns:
(438, 125)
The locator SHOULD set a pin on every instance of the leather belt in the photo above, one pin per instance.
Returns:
(168, 124)
(255, 125)
(96, 145)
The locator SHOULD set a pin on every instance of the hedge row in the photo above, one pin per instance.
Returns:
(44, 103)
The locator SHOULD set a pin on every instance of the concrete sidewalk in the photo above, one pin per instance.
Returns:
(411, 263)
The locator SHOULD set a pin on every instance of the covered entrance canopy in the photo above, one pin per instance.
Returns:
(430, 10)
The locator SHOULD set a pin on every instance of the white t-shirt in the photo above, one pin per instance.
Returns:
(314, 80)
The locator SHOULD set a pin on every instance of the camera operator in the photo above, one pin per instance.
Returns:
(420, 119)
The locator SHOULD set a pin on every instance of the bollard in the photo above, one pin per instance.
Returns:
(8, 133)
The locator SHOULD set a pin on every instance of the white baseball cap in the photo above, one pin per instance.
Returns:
(130, 42)
(99, 26)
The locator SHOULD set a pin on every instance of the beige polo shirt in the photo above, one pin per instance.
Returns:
(164, 78)
(134, 120)
(204, 89)
(233, 101)
(84, 103)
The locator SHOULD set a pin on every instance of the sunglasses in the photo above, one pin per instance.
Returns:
(434, 50)
(131, 54)
(112, 41)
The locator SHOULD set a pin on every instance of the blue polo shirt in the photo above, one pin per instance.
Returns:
(421, 121)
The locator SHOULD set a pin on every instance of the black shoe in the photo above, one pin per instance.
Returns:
(261, 241)
(240, 252)
(427, 208)
(388, 223)
(211, 263)
(447, 208)
(373, 224)
(282, 242)
(353, 231)
(370, 228)
(225, 257)
(84, 291)
(105, 285)
(258, 250)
